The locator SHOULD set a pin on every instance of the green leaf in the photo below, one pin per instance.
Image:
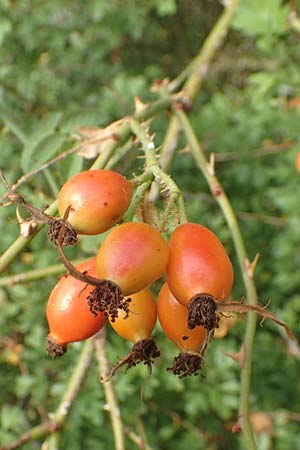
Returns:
(70, 122)
(12, 124)
(5, 28)
(261, 17)
(44, 129)
(166, 7)
(12, 418)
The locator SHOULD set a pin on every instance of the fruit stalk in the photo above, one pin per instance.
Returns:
(152, 165)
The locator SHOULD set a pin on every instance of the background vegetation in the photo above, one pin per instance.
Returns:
(65, 63)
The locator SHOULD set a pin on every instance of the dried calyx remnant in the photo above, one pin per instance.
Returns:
(107, 297)
(204, 310)
(144, 351)
(54, 349)
(186, 364)
(69, 235)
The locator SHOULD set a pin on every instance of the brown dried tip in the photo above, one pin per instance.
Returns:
(69, 236)
(54, 349)
(186, 364)
(108, 298)
(143, 351)
(202, 311)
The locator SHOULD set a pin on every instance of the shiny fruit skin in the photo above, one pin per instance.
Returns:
(172, 316)
(98, 200)
(141, 319)
(198, 264)
(67, 311)
(133, 256)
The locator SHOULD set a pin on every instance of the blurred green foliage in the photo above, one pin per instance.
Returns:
(67, 63)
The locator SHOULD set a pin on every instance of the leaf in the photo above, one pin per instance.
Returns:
(44, 129)
(12, 418)
(166, 7)
(15, 128)
(70, 122)
(261, 17)
(75, 164)
(5, 28)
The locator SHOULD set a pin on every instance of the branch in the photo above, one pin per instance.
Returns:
(109, 149)
(58, 418)
(215, 186)
(197, 69)
(193, 76)
(112, 403)
(36, 274)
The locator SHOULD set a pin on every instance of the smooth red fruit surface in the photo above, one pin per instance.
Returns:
(67, 311)
(172, 316)
(141, 319)
(98, 200)
(198, 264)
(133, 255)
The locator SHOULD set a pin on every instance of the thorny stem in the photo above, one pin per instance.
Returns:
(57, 419)
(251, 294)
(197, 69)
(109, 148)
(193, 76)
(51, 443)
(152, 165)
(112, 404)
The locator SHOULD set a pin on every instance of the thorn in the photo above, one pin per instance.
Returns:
(236, 428)
(27, 227)
(211, 164)
(250, 266)
(185, 150)
(239, 357)
(139, 105)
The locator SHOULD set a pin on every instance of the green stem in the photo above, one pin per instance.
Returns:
(193, 76)
(58, 419)
(136, 200)
(52, 442)
(122, 152)
(35, 274)
(225, 205)
(110, 396)
(197, 69)
(75, 383)
(21, 242)
(152, 165)
(51, 182)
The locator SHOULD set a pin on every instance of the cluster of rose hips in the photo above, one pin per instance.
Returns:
(114, 286)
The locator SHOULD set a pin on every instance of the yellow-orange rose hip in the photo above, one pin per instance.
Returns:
(98, 200)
